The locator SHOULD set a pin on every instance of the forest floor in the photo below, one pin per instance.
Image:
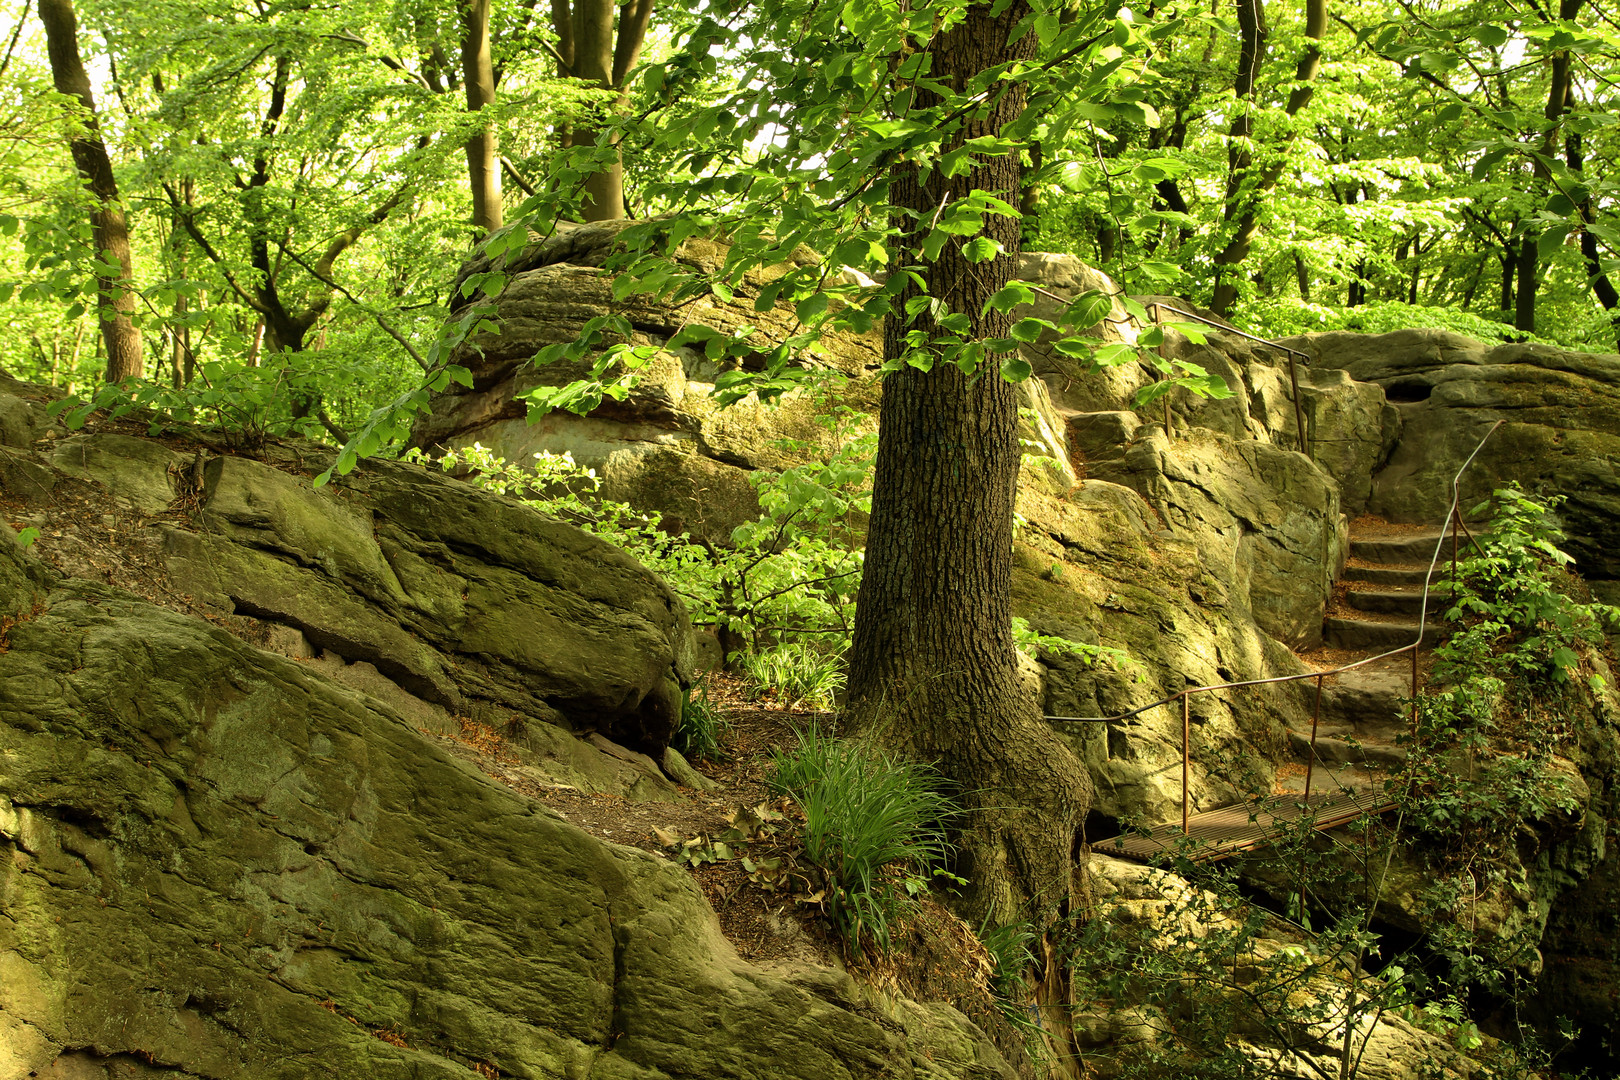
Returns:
(743, 844)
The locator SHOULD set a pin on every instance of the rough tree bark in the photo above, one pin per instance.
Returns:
(109, 230)
(478, 76)
(933, 664)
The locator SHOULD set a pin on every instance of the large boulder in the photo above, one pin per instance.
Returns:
(220, 863)
(475, 604)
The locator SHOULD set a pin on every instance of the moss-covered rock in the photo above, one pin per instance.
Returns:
(218, 862)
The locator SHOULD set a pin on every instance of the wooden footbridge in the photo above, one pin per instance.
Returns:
(1220, 834)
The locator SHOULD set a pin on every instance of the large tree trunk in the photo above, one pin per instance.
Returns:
(109, 231)
(478, 75)
(933, 665)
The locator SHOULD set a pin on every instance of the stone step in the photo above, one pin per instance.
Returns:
(1415, 549)
(1389, 575)
(1396, 602)
(1366, 635)
(1367, 701)
(1332, 750)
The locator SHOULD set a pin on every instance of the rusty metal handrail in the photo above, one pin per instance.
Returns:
(1453, 522)
(1293, 369)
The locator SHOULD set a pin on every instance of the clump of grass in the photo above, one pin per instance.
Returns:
(874, 825)
(797, 672)
(703, 727)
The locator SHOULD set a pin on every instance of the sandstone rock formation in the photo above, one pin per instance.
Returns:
(228, 861)
(414, 574)
(1561, 434)
(1252, 528)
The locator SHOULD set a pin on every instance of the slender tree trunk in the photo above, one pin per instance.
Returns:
(1602, 285)
(1558, 92)
(933, 664)
(593, 61)
(1355, 294)
(109, 230)
(1524, 306)
(1246, 191)
(483, 154)
(589, 48)
(1509, 258)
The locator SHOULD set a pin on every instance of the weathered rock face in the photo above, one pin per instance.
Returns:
(1265, 520)
(220, 864)
(473, 604)
(668, 446)
(1096, 567)
(219, 861)
(1560, 436)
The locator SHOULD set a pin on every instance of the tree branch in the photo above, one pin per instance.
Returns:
(387, 328)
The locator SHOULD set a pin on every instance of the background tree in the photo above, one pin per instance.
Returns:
(115, 270)
(483, 156)
(602, 51)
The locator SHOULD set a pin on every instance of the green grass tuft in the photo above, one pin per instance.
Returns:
(874, 825)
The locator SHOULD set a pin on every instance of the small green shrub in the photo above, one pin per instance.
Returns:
(1512, 684)
(797, 672)
(874, 826)
(703, 728)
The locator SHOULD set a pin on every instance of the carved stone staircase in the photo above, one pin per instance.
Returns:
(1375, 609)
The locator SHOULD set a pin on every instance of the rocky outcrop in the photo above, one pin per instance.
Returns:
(1096, 567)
(222, 864)
(473, 604)
(1274, 1000)
(1251, 527)
(230, 861)
(1266, 520)
(1560, 433)
(668, 446)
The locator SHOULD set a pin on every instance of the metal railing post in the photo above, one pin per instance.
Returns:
(1158, 321)
(1316, 716)
(1299, 412)
(1186, 757)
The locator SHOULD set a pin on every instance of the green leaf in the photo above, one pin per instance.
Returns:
(1482, 167)
(811, 307)
(1551, 241)
(1014, 294)
(1088, 309)
(1114, 355)
(981, 249)
(1029, 330)
(1015, 369)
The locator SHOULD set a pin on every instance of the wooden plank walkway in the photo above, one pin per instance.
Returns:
(1220, 834)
